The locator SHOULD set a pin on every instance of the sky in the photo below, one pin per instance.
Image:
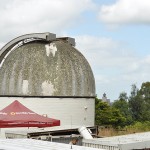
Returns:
(113, 35)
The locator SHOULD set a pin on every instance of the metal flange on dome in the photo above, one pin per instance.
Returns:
(19, 41)
(46, 37)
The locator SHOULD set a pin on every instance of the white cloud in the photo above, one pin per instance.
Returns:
(101, 43)
(27, 16)
(102, 79)
(147, 60)
(2, 44)
(115, 66)
(126, 12)
(104, 52)
(109, 54)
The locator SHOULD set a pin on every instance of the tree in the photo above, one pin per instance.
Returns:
(136, 105)
(145, 94)
(123, 106)
(139, 102)
(106, 115)
(117, 119)
(134, 90)
(145, 90)
(102, 114)
(123, 96)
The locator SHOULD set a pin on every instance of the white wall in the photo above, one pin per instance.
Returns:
(70, 111)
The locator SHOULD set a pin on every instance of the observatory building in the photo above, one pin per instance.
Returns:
(49, 76)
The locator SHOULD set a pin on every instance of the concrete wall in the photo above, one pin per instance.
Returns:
(71, 111)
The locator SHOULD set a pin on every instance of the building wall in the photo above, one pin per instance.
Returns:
(70, 111)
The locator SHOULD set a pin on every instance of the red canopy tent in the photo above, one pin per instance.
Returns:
(17, 115)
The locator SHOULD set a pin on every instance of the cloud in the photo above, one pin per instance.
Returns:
(126, 12)
(103, 51)
(106, 53)
(115, 66)
(28, 16)
(2, 44)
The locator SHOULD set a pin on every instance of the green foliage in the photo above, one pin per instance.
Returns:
(123, 106)
(139, 126)
(139, 103)
(102, 112)
(123, 96)
(137, 107)
(117, 119)
(106, 115)
(126, 110)
(134, 90)
(145, 90)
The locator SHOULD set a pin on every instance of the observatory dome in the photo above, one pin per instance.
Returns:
(52, 68)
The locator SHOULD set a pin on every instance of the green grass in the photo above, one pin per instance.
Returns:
(135, 128)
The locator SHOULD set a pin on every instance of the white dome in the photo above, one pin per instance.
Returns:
(46, 69)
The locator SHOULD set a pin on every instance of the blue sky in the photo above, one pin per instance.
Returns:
(113, 35)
